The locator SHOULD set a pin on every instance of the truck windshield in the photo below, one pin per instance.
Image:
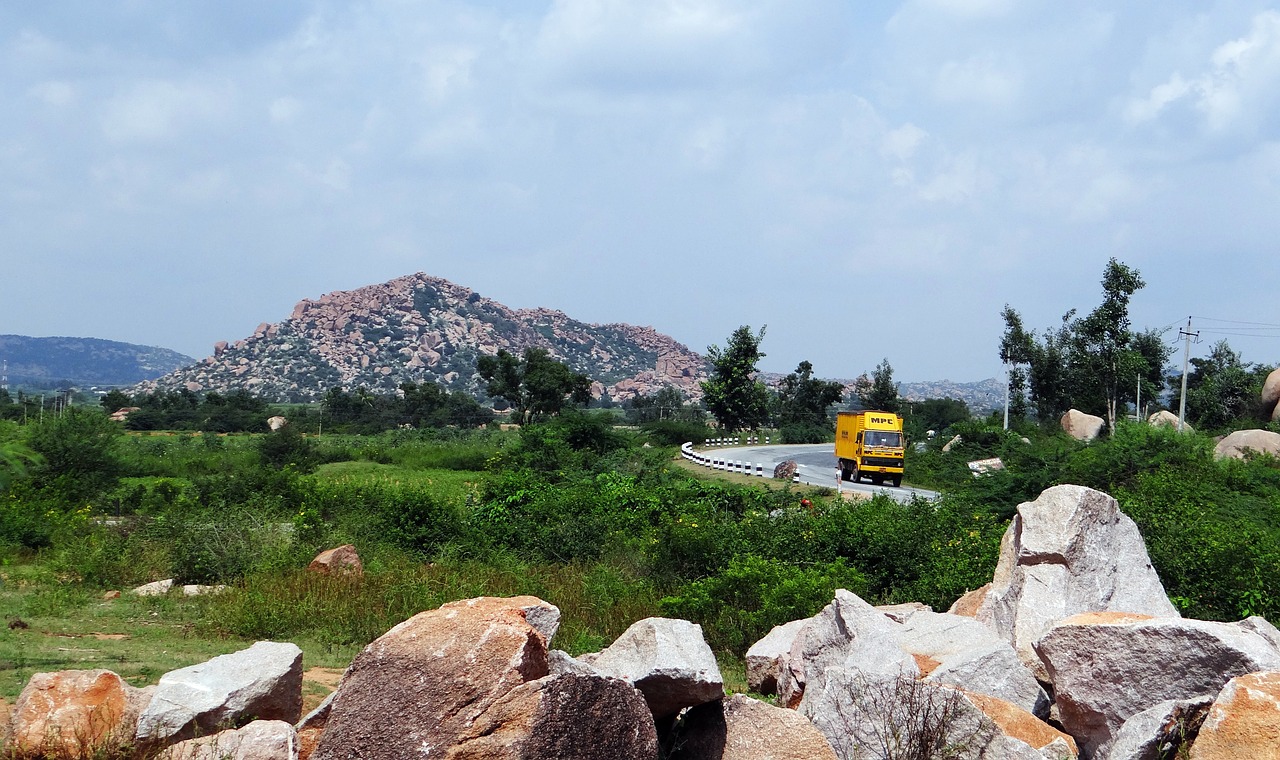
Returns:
(883, 438)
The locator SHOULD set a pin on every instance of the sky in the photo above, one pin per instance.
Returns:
(869, 180)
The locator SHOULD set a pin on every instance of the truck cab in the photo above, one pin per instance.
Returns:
(869, 443)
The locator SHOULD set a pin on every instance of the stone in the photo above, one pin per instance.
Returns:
(1166, 418)
(668, 660)
(110, 595)
(277, 422)
(427, 680)
(263, 681)
(849, 633)
(1239, 444)
(741, 728)
(74, 713)
(258, 740)
(901, 613)
(951, 444)
(1016, 723)
(962, 652)
(1244, 720)
(562, 663)
(766, 657)
(1070, 551)
(1270, 396)
(1160, 731)
(876, 716)
(193, 589)
(1108, 667)
(340, 560)
(155, 588)
(569, 717)
(785, 470)
(969, 602)
(1081, 426)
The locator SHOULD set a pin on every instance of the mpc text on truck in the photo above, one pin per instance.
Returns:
(869, 443)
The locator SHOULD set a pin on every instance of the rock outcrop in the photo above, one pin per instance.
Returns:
(741, 728)
(1244, 720)
(340, 560)
(263, 681)
(1166, 418)
(1081, 426)
(424, 329)
(569, 717)
(1070, 551)
(1108, 667)
(1270, 396)
(766, 658)
(258, 740)
(429, 679)
(667, 660)
(1243, 443)
(74, 713)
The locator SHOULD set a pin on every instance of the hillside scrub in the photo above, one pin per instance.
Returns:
(582, 514)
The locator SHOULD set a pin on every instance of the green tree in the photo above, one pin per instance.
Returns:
(936, 414)
(732, 394)
(878, 391)
(115, 399)
(1094, 363)
(802, 403)
(77, 450)
(1221, 388)
(1017, 347)
(15, 457)
(536, 386)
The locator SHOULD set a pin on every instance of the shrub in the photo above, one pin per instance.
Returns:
(739, 605)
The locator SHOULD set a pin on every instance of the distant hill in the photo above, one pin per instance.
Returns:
(84, 361)
(981, 396)
(421, 328)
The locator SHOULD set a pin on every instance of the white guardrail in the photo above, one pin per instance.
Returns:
(714, 462)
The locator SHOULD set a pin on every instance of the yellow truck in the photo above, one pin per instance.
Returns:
(869, 443)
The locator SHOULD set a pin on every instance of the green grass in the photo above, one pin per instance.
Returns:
(453, 486)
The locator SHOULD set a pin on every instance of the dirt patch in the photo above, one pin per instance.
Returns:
(317, 683)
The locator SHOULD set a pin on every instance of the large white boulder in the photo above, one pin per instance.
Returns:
(883, 717)
(848, 633)
(1108, 667)
(1166, 418)
(668, 660)
(1237, 445)
(1271, 393)
(960, 651)
(1081, 426)
(767, 657)
(1070, 551)
(263, 681)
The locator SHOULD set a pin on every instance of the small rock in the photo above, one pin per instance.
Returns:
(156, 588)
(110, 595)
(741, 728)
(258, 740)
(340, 560)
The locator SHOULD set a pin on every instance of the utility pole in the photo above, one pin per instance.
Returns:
(1186, 335)
(1006, 395)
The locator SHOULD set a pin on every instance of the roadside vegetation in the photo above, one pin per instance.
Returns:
(594, 516)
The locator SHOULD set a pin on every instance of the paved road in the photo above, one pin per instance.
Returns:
(816, 464)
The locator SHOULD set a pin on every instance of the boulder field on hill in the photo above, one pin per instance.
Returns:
(1072, 651)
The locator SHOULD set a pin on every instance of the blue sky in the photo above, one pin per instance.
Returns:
(871, 180)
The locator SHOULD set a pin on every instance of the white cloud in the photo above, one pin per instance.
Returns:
(901, 143)
(161, 109)
(980, 79)
(284, 110)
(1238, 88)
(54, 93)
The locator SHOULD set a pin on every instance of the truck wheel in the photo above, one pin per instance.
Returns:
(844, 470)
(877, 480)
(897, 481)
(855, 474)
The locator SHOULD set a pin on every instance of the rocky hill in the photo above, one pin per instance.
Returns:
(80, 362)
(421, 328)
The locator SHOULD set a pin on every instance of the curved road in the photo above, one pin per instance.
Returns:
(816, 464)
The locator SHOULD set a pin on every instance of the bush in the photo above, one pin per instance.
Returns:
(675, 432)
(739, 605)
